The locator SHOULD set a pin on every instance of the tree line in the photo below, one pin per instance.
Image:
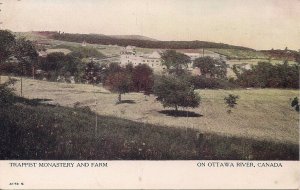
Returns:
(267, 75)
(107, 40)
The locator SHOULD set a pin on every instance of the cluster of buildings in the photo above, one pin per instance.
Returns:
(129, 55)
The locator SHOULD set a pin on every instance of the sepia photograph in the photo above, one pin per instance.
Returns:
(149, 80)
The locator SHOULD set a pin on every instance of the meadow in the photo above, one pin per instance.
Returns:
(262, 114)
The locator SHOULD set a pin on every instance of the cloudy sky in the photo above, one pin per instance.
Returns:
(260, 24)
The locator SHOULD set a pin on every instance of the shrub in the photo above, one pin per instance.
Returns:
(7, 96)
(295, 104)
(231, 101)
(201, 82)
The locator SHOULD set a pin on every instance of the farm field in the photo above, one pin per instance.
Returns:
(254, 61)
(261, 114)
(240, 54)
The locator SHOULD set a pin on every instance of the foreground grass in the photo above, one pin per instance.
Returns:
(33, 131)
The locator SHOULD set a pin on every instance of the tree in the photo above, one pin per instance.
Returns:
(7, 42)
(297, 57)
(175, 92)
(72, 65)
(120, 82)
(53, 62)
(231, 101)
(92, 73)
(211, 67)
(142, 77)
(129, 68)
(175, 62)
(109, 69)
(26, 54)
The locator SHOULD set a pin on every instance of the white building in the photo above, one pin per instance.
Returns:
(130, 56)
(83, 44)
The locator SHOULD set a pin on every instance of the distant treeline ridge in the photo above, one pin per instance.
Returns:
(107, 40)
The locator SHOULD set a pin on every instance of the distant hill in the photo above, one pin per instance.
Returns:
(127, 37)
(133, 40)
(132, 37)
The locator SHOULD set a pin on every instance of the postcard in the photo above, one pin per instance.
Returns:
(149, 94)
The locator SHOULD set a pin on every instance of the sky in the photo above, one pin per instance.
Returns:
(259, 24)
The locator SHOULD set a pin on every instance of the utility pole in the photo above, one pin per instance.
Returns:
(22, 79)
(96, 118)
(0, 11)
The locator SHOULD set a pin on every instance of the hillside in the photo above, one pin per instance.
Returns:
(134, 40)
(59, 133)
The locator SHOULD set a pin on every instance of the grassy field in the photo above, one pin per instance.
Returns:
(240, 54)
(261, 114)
(65, 51)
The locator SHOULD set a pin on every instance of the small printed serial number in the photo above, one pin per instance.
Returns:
(16, 183)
